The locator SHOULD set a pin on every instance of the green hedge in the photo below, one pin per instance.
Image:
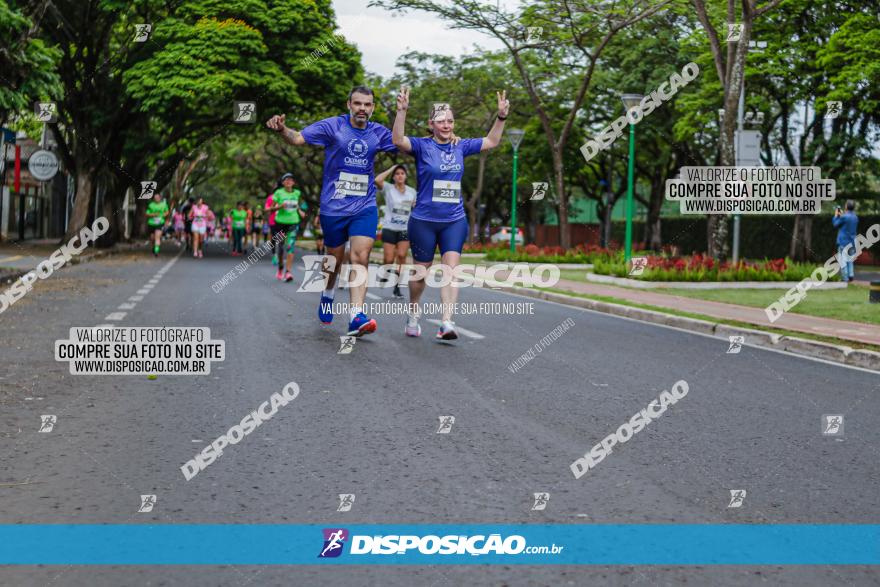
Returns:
(792, 272)
(761, 237)
(571, 257)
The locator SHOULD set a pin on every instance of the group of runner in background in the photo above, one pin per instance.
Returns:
(193, 223)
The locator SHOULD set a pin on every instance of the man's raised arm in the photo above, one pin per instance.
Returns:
(291, 136)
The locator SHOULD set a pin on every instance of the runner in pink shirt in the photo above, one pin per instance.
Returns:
(179, 226)
(270, 204)
(200, 214)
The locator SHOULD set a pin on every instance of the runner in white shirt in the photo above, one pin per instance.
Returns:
(399, 200)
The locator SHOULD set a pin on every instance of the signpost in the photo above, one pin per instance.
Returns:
(43, 165)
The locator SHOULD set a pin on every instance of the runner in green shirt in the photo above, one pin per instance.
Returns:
(289, 209)
(157, 217)
(239, 228)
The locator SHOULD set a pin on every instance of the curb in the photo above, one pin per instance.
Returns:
(583, 266)
(639, 284)
(800, 346)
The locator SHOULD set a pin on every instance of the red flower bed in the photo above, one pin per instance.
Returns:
(702, 262)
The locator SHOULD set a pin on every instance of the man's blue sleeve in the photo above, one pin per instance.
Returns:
(385, 143)
(319, 133)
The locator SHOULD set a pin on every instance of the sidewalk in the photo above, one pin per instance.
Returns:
(17, 259)
(853, 331)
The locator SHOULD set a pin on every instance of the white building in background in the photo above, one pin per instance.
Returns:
(39, 209)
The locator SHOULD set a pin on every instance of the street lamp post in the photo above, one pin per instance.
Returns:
(630, 101)
(515, 135)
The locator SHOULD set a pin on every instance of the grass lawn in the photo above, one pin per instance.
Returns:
(843, 304)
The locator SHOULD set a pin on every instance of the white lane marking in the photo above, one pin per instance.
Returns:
(170, 263)
(126, 306)
(153, 282)
(115, 316)
(460, 330)
(143, 292)
(373, 296)
(135, 298)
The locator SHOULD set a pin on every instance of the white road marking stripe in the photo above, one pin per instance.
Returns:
(115, 316)
(126, 306)
(460, 330)
(170, 263)
(135, 298)
(143, 292)
(373, 296)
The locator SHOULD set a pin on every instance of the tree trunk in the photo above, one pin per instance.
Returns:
(652, 226)
(808, 239)
(529, 236)
(606, 227)
(801, 237)
(82, 203)
(564, 234)
(112, 213)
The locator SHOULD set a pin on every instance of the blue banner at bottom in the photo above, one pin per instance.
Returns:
(430, 544)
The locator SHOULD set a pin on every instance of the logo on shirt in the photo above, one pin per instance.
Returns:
(358, 149)
(447, 161)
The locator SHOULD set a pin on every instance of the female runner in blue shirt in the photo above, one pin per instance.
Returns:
(438, 217)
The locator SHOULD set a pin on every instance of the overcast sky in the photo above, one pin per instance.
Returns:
(382, 38)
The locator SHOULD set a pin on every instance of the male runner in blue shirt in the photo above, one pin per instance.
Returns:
(348, 196)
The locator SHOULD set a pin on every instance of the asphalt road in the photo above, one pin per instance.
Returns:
(366, 423)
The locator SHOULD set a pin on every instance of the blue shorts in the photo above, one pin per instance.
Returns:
(425, 235)
(338, 229)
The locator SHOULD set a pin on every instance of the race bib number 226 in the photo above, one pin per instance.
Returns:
(446, 191)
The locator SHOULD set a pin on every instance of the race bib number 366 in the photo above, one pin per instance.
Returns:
(448, 192)
(351, 184)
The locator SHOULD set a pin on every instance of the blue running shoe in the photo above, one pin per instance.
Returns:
(325, 310)
(361, 325)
